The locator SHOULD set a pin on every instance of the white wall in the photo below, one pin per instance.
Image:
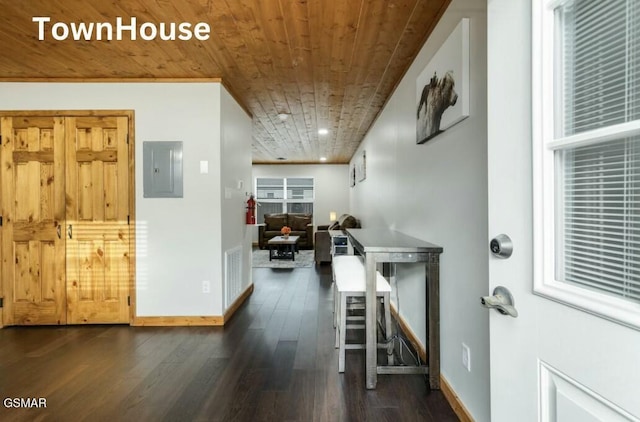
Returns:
(331, 185)
(437, 192)
(178, 240)
(236, 181)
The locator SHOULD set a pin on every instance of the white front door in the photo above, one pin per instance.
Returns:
(553, 362)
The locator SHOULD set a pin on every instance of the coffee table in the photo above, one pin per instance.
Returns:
(284, 247)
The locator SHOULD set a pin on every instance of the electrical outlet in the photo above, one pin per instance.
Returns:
(466, 357)
(206, 286)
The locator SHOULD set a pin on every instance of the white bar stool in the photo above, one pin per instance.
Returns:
(349, 276)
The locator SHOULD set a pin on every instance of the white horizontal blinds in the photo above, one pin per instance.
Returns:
(300, 195)
(602, 217)
(599, 181)
(300, 188)
(633, 59)
(270, 188)
(269, 193)
(600, 69)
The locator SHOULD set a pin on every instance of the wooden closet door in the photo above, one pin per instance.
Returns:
(33, 210)
(97, 210)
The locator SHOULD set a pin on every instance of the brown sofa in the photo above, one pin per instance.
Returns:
(301, 225)
(322, 251)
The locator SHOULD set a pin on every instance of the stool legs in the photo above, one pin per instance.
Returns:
(342, 330)
(340, 321)
(336, 316)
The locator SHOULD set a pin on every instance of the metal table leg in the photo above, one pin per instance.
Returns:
(370, 322)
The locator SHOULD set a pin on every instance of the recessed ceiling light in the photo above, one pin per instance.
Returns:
(323, 158)
(283, 116)
(323, 131)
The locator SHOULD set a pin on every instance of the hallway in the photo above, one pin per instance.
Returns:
(274, 360)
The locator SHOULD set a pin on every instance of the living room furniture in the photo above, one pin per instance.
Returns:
(322, 245)
(349, 278)
(380, 246)
(322, 252)
(301, 225)
(340, 244)
(284, 247)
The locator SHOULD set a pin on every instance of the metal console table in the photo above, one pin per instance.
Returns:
(389, 246)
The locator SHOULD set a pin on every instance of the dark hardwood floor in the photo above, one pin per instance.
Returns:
(274, 361)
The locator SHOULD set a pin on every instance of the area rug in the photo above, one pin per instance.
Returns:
(304, 258)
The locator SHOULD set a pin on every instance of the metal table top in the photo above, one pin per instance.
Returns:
(385, 240)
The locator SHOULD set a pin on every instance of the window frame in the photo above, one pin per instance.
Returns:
(545, 100)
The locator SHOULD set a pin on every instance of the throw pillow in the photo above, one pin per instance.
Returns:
(347, 222)
(299, 223)
(275, 222)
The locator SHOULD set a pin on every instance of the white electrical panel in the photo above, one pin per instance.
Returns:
(162, 167)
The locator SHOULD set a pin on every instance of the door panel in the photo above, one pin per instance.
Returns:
(97, 217)
(553, 362)
(98, 273)
(33, 263)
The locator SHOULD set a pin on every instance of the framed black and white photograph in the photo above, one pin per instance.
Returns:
(352, 175)
(361, 166)
(443, 86)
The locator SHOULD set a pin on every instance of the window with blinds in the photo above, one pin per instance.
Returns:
(601, 225)
(277, 195)
(600, 63)
(596, 145)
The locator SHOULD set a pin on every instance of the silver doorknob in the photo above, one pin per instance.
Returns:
(502, 301)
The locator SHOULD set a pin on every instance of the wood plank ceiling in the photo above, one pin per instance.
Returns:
(326, 63)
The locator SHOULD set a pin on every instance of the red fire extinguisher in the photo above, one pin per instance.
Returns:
(251, 208)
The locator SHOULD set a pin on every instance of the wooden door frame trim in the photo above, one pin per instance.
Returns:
(130, 114)
(66, 113)
(132, 215)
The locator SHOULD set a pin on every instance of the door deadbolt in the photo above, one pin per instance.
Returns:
(501, 246)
